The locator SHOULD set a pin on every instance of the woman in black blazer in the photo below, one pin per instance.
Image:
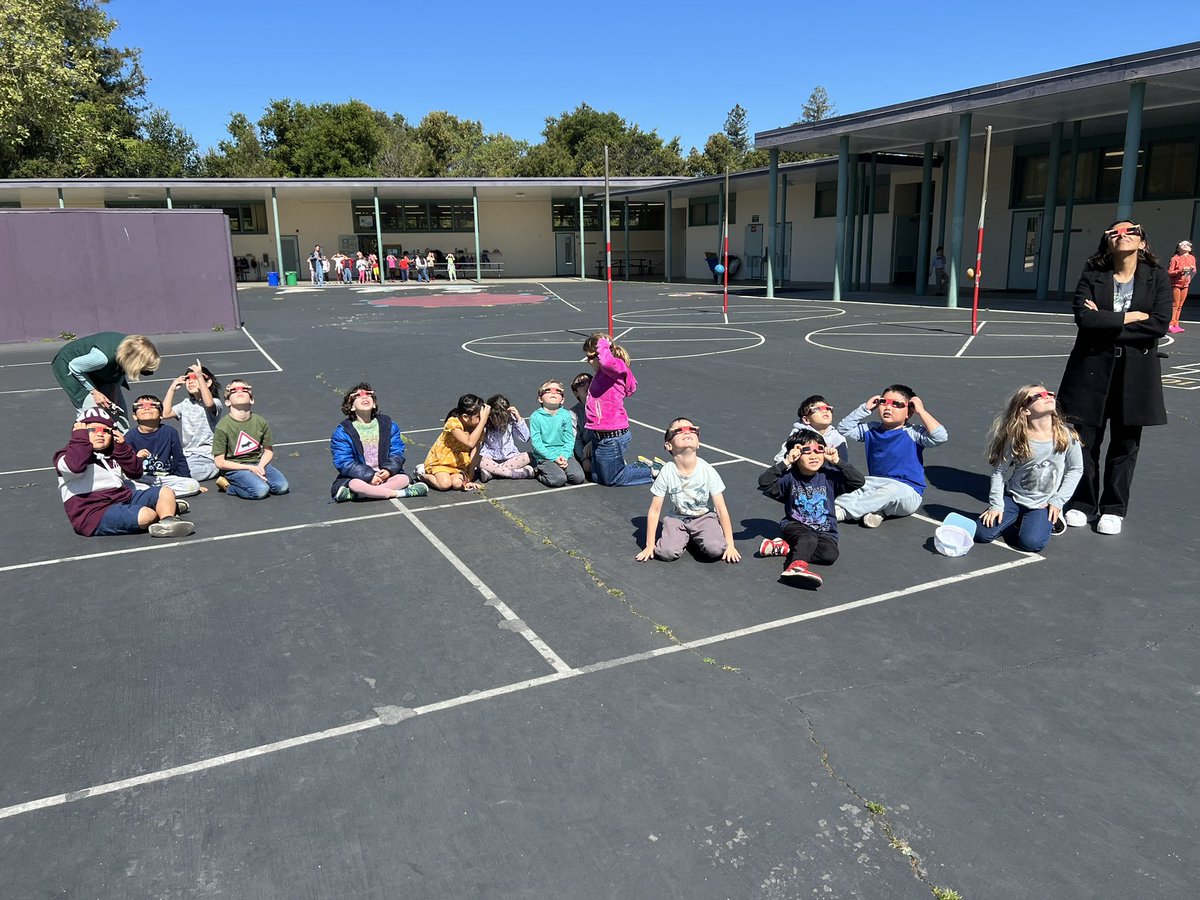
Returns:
(1113, 377)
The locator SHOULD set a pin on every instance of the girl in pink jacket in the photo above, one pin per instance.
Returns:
(1181, 270)
(606, 418)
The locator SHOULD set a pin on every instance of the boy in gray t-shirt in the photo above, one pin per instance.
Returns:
(697, 494)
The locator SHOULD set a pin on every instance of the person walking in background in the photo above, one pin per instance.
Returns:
(939, 271)
(316, 263)
(1180, 271)
(1113, 377)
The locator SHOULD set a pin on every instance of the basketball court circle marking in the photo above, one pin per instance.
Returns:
(893, 329)
(745, 314)
(571, 343)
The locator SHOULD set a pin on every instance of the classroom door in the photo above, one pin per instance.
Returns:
(1023, 251)
(289, 245)
(566, 260)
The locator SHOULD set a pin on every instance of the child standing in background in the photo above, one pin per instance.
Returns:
(552, 435)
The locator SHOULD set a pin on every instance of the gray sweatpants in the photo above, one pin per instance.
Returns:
(704, 531)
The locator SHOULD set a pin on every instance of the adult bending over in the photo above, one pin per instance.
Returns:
(1113, 377)
(93, 369)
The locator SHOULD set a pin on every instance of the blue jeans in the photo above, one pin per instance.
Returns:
(244, 483)
(122, 518)
(1032, 526)
(609, 466)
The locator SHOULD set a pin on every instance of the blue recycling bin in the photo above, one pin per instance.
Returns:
(273, 279)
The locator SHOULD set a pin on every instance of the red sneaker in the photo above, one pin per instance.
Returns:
(774, 547)
(801, 572)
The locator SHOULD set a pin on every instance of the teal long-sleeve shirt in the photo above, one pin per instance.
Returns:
(552, 434)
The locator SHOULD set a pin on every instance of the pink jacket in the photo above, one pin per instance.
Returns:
(606, 395)
(1179, 264)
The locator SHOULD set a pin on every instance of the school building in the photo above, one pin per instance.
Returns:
(1070, 151)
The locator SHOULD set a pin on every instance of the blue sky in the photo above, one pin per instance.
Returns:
(672, 67)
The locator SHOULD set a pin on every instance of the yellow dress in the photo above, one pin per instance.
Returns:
(448, 453)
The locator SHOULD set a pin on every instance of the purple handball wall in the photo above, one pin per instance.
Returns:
(140, 271)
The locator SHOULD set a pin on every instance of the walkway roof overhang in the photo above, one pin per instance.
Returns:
(1019, 111)
(33, 191)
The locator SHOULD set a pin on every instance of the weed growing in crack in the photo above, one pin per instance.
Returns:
(945, 893)
(876, 809)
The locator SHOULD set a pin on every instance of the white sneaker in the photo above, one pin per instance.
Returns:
(1109, 524)
(1077, 518)
(872, 520)
(839, 513)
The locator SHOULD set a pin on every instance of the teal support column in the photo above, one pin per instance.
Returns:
(670, 248)
(278, 239)
(784, 239)
(860, 206)
(945, 195)
(379, 237)
(62, 204)
(1133, 140)
(1049, 213)
(582, 262)
(839, 241)
(1069, 210)
(851, 209)
(923, 248)
(170, 205)
(771, 235)
(961, 165)
(870, 220)
(625, 216)
(475, 220)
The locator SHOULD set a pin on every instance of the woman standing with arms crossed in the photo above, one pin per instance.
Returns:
(1113, 377)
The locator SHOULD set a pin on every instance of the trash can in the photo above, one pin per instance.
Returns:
(291, 278)
(273, 279)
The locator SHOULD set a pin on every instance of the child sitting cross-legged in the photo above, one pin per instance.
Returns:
(552, 436)
(895, 458)
(368, 452)
(160, 449)
(94, 477)
(498, 453)
(700, 517)
(806, 481)
(243, 448)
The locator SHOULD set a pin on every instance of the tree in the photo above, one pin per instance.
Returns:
(329, 140)
(574, 145)
(399, 156)
(161, 149)
(445, 142)
(68, 100)
(241, 157)
(719, 154)
(818, 106)
(737, 129)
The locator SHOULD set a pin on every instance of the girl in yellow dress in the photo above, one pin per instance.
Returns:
(451, 462)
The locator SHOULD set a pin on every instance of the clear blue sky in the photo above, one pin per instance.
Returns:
(672, 67)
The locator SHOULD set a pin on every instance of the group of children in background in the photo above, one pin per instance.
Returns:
(1036, 461)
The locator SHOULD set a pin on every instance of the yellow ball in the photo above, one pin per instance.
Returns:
(971, 273)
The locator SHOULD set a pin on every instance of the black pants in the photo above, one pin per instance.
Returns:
(1119, 462)
(808, 545)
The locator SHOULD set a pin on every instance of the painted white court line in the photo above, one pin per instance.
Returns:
(254, 341)
(518, 625)
(396, 715)
(553, 294)
(963, 348)
(161, 356)
(150, 381)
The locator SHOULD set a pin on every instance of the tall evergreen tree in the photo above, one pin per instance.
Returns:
(737, 129)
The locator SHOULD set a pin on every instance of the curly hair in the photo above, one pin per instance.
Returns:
(348, 400)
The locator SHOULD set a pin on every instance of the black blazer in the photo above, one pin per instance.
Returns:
(1092, 372)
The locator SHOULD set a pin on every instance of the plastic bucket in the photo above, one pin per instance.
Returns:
(291, 278)
(273, 279)
(954, 536)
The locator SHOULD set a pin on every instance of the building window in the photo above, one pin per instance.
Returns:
(1109, 187)
(244, 218)
(1171, 171)
(826, 202)
(413, 216)
(564, 214)
(707, 210)
(647, 216)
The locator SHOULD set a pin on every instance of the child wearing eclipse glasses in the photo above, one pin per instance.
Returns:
(95, 472)
(807, 481)
(198, 412)
(368, 452)
(815, 414)
(160, 449)
(895, 457)
(699, 518)
(242, 448)
(552, 437)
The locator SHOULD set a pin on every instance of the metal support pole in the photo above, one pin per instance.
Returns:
(378, 237)
(783, 243)
(1049, 213)
(851, 212)
(923, 227)
(582, 261)
(945, 194)
(839, 240)
(1069, 210)
(170, 205)
(625, 216)
(278, 239)
(475, 220)
(771, 236)
(1133, 140)
(720, 219)
(863, 191)
(61, 203)
(870, 220)
(667, 261)
(961, 165)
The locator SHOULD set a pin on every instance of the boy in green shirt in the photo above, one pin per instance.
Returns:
(242, 448)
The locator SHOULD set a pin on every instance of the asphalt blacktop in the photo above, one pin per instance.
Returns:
(486, 696)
